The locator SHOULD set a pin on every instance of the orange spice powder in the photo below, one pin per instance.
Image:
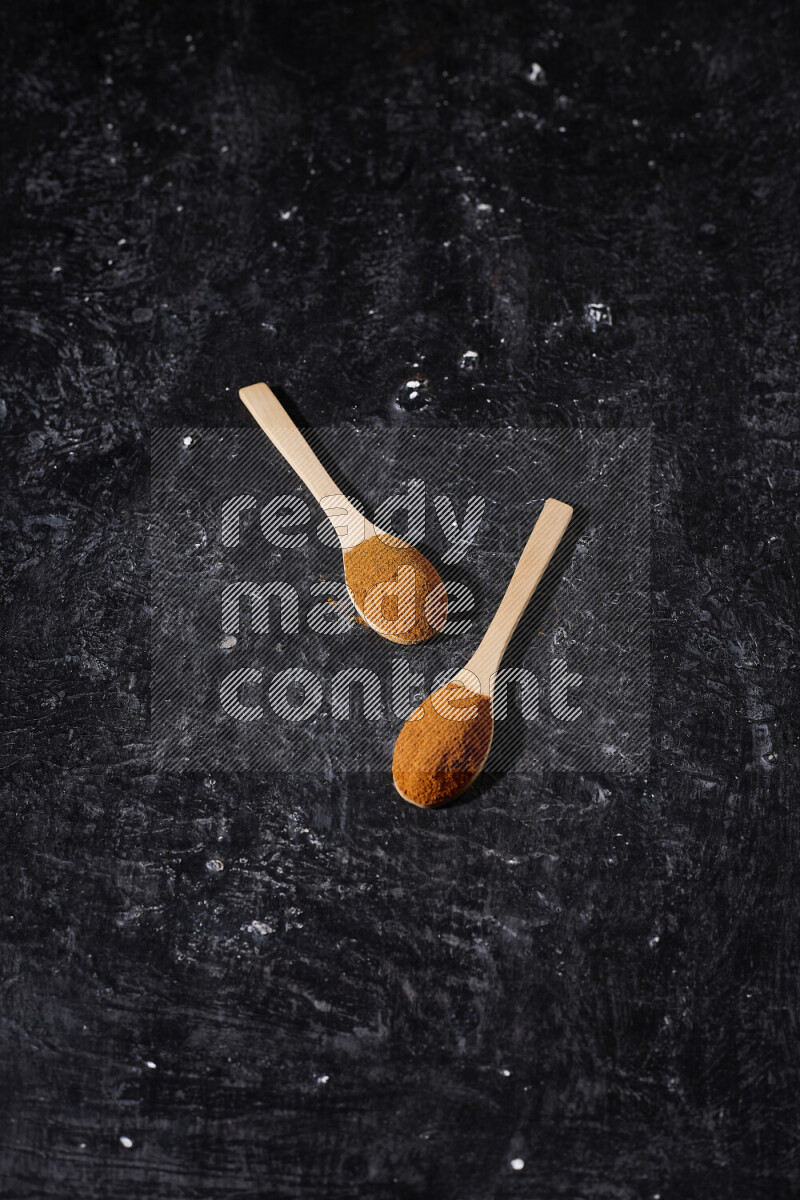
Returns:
(396, 587)
(439, 753)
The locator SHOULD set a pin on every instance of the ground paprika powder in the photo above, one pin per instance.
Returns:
(442, 746)
(397, 589)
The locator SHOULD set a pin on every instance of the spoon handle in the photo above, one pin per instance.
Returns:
(541, 545)
(279, 427)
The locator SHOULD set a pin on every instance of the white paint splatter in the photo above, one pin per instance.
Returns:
(259, 927)
(597, 314)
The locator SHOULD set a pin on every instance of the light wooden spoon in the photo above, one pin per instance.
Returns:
(444, 744)
(378, 567)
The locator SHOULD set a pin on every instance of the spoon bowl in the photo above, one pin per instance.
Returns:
(439, 753)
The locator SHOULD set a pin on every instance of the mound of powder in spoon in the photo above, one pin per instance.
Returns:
(397, 590)
(438, 754)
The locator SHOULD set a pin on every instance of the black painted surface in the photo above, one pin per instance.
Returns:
(368, 1002)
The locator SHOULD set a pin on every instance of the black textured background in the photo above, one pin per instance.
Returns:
(345, 997)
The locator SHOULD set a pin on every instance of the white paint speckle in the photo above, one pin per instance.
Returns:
(187, 441)
(597, 314)
(536, 75)
(151, 1066)
(517, 1164)
(126, 1142)
(228, 642)
(323, 1078)
(505, 1071)
(259, 927)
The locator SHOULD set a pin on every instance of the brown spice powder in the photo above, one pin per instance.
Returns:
(436, 757)
(379, 579)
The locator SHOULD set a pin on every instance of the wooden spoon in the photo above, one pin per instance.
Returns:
(381, 571)
(444, 744)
